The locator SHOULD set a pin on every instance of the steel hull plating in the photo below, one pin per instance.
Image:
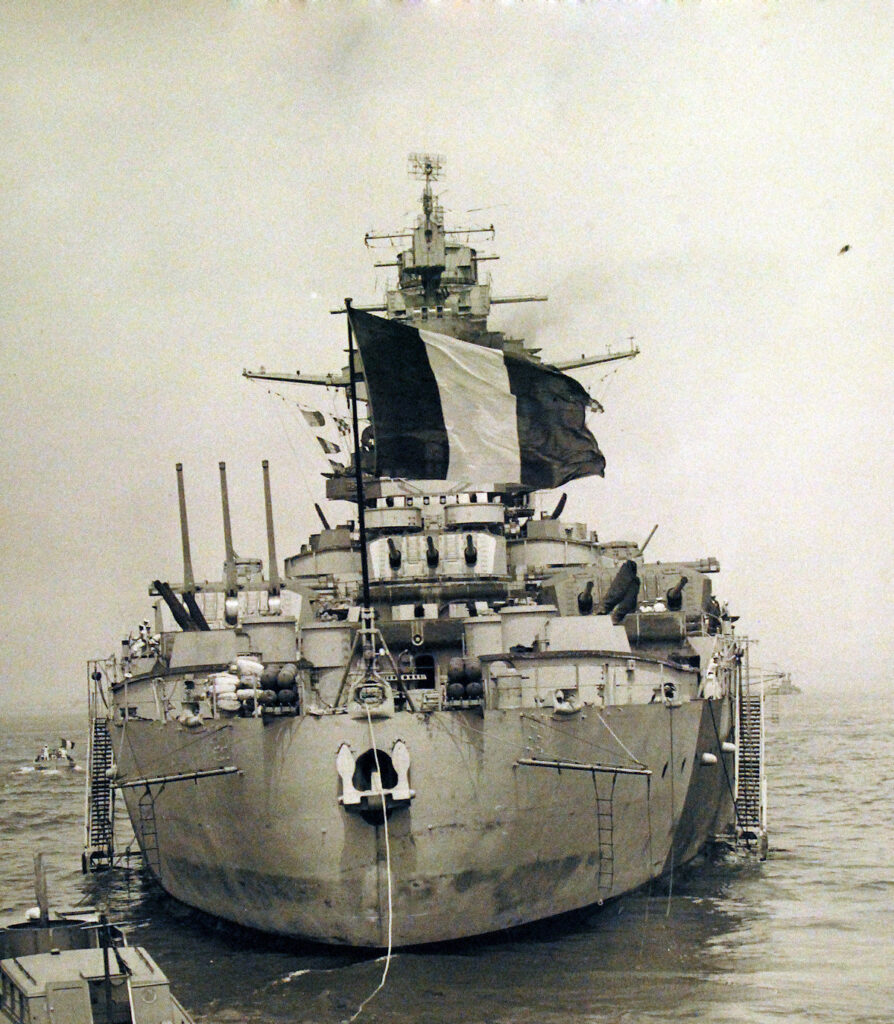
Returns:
(484, 844)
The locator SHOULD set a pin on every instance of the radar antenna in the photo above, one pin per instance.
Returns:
(427, 167)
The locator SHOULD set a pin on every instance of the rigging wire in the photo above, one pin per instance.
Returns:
(604, 385)
(514, 744)
(299, 424)
(617, 739)
(287, 433)
(208, 733)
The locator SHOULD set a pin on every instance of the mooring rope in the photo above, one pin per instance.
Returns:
(381, 984)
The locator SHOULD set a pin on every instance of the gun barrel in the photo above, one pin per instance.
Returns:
(181, 616)
(188, 579)
(228, 533)
(273, 568)
(645, 543)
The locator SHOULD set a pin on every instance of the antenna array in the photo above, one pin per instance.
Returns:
(426, 166)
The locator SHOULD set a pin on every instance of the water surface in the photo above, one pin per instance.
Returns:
(803, 937)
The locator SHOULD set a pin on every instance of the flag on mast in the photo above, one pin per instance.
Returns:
(445, 409)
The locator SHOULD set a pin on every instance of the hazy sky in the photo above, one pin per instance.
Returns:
(184, 190)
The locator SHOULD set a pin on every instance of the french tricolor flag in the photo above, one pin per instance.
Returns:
(444, 409)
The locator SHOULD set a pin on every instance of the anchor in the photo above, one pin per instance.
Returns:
(375, 781)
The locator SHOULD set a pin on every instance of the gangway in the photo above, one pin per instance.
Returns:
(751, 784)
(99, 797)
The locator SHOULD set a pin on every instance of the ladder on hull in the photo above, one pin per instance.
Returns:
(605, 832)
(99, 810)
(751, 790)
(148, 832)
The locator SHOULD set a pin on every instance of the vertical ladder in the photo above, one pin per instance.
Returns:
(99, 810)
(605, 836)
(751, 810)
(148, 832)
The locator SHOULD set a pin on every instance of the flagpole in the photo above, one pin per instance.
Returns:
(358, 468)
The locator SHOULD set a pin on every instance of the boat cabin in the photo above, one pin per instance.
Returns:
(81, 972)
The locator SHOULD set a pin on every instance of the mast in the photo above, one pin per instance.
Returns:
(438, 286)
(40, 888)
(438, 290)
(358, 468)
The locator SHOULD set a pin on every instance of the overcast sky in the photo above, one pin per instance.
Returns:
(184, 190)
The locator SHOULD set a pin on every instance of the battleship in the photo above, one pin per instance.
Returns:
(452, 712)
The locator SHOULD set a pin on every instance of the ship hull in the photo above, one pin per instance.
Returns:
(484, 844)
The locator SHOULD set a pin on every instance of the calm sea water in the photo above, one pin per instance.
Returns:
(806, 936)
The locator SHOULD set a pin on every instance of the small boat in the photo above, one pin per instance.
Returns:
(55, 758)
(76, 968)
